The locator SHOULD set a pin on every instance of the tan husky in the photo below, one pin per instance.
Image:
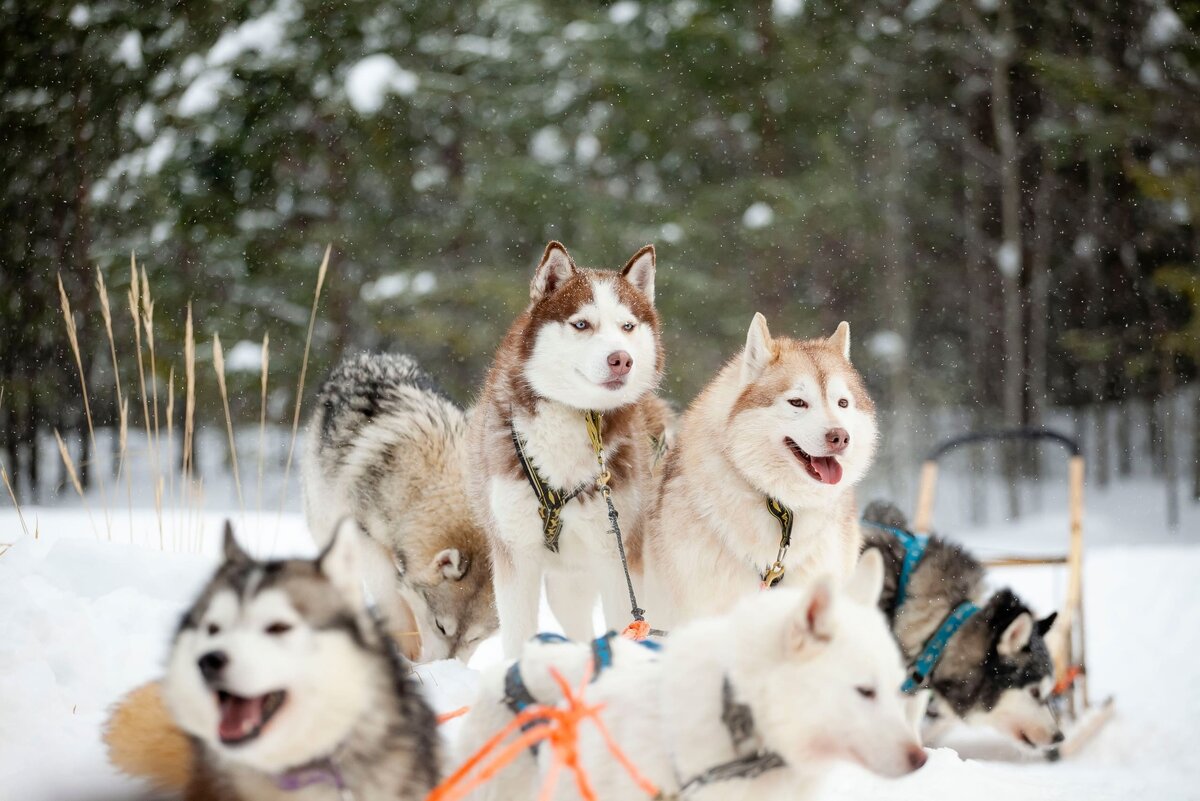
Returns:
(759, 488)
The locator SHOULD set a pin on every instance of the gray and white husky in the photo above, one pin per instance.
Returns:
(386, 447)
(289, 689)
(995, 670)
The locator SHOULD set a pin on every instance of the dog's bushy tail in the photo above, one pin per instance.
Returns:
(144, 742)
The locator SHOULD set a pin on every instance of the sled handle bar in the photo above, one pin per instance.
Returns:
(977, 437)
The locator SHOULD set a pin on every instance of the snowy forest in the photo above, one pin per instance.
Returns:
(1000, 196)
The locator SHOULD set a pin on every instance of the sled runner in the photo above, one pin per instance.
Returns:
(1067, 640)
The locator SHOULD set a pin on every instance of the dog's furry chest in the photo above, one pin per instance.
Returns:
(556, 443)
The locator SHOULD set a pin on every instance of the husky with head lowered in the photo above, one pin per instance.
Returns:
(289, 689)
(586, 347)
(994, 669)
(759, 487)
(758, 703)
(386, 447)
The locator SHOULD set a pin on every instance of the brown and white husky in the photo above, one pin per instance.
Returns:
(777, 440)
(588, 342)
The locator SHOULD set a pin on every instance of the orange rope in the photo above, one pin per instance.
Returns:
(560, 726)
(452, 714)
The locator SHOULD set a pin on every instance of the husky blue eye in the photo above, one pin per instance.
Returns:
(798, 403)
(580, 325)
(628, 326)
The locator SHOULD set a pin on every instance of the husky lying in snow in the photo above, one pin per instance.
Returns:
(995, 669)
(386, 447)
(756, 703)
(768, 454)
(286, 688)
(588, 342)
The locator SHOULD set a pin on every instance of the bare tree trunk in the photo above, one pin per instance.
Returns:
(1039, 309)
(1196, 446)
(1094, 369)
(1009, 255)
(1124, 431)
(1170, 468)
(979, 330)
(1154, 437)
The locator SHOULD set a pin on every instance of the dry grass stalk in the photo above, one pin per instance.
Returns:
(135, 302)
(171, 438)
(312, 321)
(189, 403)
(123, 423)
(262, 418)
(16, 504)
(69, 463)
(148, 324)
(219, 366)
(73, 337)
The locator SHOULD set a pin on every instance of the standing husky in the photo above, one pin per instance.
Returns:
(759, 488)
(588, 342)
(757, 703)
(386, 447)
(995, 670)
(283, 681)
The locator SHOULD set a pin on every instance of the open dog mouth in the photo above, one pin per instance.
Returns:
(824, 469)
(243, 719)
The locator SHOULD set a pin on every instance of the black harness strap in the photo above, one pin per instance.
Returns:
(739, 721)
(550, 500)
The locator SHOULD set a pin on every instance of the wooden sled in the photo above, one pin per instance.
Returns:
(1067, 640)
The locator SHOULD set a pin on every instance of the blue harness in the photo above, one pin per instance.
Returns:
(931, 654)
(517, 696)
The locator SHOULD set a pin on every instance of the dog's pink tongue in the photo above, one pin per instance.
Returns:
(239, 716)
(827, 468)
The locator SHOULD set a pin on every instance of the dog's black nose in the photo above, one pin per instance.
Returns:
(212, 663)
(1057, 738)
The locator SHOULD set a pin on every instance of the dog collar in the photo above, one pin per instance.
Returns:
(931, 654)
(785, 518)
(914, 549)
(739, 722)
(322, 771)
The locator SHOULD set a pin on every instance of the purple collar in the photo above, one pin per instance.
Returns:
(322, 771)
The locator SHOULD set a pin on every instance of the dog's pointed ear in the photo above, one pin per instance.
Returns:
(1045, 624)
(552, 271)
(451, 564)
(866, 582)
(1016, 636)
(640, 271)
(234, 554)
(812, 622)
(840, 341)
(760, 349)
(339, 562)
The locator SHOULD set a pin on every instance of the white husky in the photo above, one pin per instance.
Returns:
(760, 484)
(757, 703)
(588, 342)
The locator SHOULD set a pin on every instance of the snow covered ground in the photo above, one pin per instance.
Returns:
(83, 619)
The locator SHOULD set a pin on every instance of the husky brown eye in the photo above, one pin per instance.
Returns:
(1036, 692)
(279, 627)
(866, 692)
(580, 325)
(629, 326)
(798, 403)
(843, 403)
(213, 629)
